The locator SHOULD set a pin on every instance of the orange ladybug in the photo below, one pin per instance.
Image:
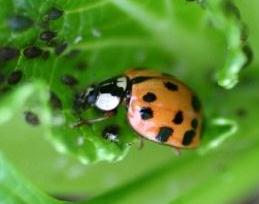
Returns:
(160, 107)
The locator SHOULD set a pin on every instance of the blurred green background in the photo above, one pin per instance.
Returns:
(190, 40)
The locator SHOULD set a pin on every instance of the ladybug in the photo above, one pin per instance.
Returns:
(159, 107)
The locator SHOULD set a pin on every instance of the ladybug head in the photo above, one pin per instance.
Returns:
(105, 96)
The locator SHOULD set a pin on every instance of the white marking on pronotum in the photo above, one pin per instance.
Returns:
(107, 102)
(122, 82)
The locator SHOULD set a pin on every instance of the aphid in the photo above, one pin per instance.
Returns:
(73, 53)
(55, 102)
(111, 133)
(32, 52)
(19, 23)
(241, 112)
(8, 53)
(47, 35)
(159, 107)
(14, 77)
(69, 80)
(81, 65)
(31, 118)
(60, 48)
(54, 13)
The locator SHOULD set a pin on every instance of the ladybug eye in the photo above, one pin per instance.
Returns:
(91, 95)
(85, 98)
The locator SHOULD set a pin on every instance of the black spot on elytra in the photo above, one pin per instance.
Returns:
(8, 53)
(146, 113)
(171, 86)
(69, 80)
(140, 79)
(188, 137)
(164, 133)
(14, 77)
(19, 23)
(194, 123)
(149, 97)
(111, 133)
(32, 52)
(31, 118)
(196, 103)
(178, 118)
(47, 35)
(54, 13)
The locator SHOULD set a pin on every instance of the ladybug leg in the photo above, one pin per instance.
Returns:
(83, 121)
(177, 151)
(141, 143)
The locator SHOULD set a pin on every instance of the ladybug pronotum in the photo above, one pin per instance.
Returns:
(159, 107)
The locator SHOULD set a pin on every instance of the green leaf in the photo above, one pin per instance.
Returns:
(225, 16)
(86, 45)
(104, 38)
(15, 189)
(218, 172)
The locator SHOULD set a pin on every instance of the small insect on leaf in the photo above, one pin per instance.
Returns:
(19, 23)
(111, 133)
(54, 13)
(60, 48)
(47, 35)
(55, 101)
(14, 77)
(31, 118)
(8, 53)
(69, 80)
(32, 52)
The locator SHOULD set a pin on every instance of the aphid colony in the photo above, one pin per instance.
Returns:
(159, 107)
